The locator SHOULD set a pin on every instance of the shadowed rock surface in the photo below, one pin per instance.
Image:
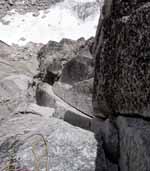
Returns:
(78, 69)
(134, 144)
(106, 135)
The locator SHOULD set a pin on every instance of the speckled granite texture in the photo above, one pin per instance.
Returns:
(122, 52)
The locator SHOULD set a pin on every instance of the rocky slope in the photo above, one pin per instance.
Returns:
(30, 108)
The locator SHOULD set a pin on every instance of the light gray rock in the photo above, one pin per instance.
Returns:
(78, 95)
(71, 115)
(33, 108)
(14, 90)
(46, 97)
(69, 147)
(5, 50)
(18, 60)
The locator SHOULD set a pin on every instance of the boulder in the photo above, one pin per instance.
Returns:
(54, 55)
(71, 115)
(78, 95)
(68, 59)
(78, 69)
(45, 96)
(121, 50)
(14, 91)
(69, 67)
(67, 147)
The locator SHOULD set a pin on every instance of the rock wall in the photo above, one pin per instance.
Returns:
(122, 60)
(121, 86)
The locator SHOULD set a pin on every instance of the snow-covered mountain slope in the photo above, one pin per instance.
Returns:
(70, 19)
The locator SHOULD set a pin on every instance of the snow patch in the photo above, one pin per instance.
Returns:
(57, 23)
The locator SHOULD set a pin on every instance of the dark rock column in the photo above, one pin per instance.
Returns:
(122, 84)
(122, 72)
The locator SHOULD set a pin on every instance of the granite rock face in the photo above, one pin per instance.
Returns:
(121, 86)
(124, 8)
(122, 74)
